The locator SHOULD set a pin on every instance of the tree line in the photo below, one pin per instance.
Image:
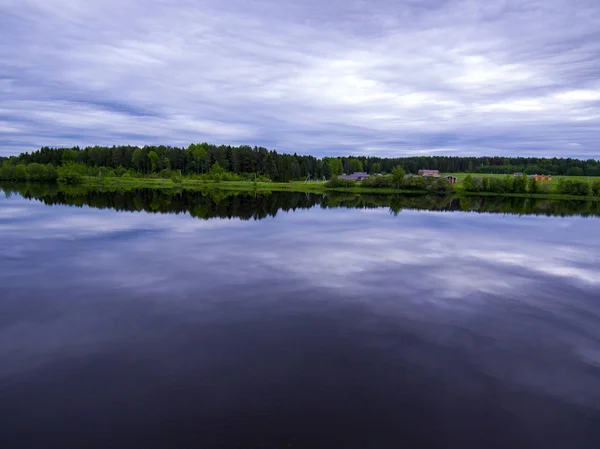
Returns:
(280, 167)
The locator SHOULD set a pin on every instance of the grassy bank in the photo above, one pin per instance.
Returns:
(242, 186)
(295, 186)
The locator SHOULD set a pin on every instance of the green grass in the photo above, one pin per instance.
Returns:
(555, 179)
(298, 186)
(192, 184)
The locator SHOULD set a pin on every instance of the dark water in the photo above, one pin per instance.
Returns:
(321, 325)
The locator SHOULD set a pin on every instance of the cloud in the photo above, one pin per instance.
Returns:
(387, 78)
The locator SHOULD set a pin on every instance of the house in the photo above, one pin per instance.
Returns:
(356, 176)
(429, 173)
(541, 177)
(452, 179)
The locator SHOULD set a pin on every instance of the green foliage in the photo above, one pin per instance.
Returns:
(71, 173)
(477, 185)
(378, 182)
(334, 165)
(68, 155)
(139, 159)
(398, 174)
(336, 183)
(6, 170)
(575, 171)
(596, 188)
(468, 184)
(499, 185)
(414, 183)
(153, 157)
(573, 187)
(355, 166)
(520, 184)
(217, 170)
(20, 172)
(533, 186)
(198, 159)
(36, 172)
(439, 185)
(544, 187)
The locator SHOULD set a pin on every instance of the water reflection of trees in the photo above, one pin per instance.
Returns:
(247, 206)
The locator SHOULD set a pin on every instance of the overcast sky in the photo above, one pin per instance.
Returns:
(416, 77)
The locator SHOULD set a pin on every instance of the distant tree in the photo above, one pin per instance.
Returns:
(216, 169)
(36, 172)
(6, 170)
(153, 156)
(468, 183)
(335, 166)
(575, 171)
(69, 155)
(20, 173)
(533, 186)
(71, 173)
(327, 171)
(355, 166)
(398, 174)
(375, 168)
(520, 184)
(138, 159)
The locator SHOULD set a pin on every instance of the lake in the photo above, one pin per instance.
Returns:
(174, 320)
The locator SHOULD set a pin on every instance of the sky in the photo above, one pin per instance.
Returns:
(336, 77)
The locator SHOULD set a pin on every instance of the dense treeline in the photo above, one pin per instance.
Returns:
(221, 204)
(200, 158)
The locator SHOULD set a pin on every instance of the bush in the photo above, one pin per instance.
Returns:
(120, 171)
(596, 188)
(51, 173)
(573, 187)
(126, 175)
(6, 170)
(467, 184)
(520, 184)
(20, 172)
(36, 172)
(442, 185)
(414, 183)
(336, 183)
(378, 182)
(71, 173)
(477, 185)
(544, 187)
(533, 186)
(500, 185)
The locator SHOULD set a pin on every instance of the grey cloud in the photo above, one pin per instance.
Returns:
(388, 78)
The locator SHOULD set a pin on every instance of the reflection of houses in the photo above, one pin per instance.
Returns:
(356, 176)
(429, 173)
(452, 179)
(541, 177)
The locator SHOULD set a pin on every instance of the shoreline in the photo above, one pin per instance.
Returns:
(127, 184)
(298, 186)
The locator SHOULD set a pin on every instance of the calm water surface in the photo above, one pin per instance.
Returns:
(313, 328)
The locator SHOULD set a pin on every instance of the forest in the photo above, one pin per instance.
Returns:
(279, 167)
